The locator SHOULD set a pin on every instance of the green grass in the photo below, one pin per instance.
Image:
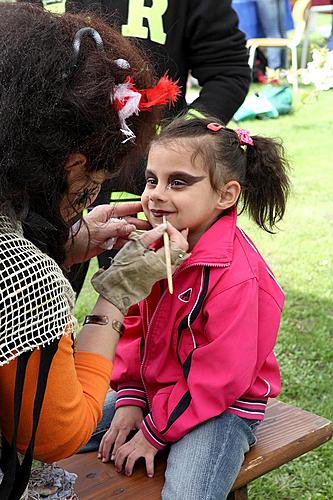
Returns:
(301, 255)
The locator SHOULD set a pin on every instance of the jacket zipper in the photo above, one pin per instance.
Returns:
(152, 318)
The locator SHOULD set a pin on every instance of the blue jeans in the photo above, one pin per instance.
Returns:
(271, 14)
(204, 464)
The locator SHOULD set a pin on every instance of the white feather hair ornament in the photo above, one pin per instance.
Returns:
(129, 101)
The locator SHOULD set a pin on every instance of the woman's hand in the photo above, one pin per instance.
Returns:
(178, 239)
(101, 229)
(136, 268)
(125, 420)
(129, 453)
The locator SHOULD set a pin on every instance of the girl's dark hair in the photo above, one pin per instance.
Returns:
(49, 109)
(261, 169)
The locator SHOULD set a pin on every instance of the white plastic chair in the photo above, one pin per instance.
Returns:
(300, 15)
(314, 10)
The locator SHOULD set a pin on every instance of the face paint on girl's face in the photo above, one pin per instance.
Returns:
(180, 190)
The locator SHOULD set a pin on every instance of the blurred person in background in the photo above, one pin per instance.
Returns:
(272, 16)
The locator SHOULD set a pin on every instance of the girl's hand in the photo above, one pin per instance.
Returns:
(129, 453)
(125, 420)
(100, 229)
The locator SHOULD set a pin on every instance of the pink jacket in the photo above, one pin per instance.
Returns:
(208, 348)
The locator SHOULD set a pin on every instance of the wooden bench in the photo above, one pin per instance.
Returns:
(285, 434)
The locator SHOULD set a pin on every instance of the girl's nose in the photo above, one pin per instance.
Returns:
(159, 193)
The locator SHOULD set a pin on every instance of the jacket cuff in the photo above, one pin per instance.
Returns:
(131, 396)
(150, 432)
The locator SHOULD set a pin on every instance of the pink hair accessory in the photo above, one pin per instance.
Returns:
(215, 127)
(244, 137)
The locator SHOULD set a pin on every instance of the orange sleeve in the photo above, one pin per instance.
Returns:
(72, 404)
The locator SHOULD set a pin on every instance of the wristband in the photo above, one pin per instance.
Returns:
(96, 319)
(99, 319)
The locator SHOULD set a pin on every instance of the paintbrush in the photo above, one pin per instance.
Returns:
(167, 257)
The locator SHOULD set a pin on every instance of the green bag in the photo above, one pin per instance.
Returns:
(275, 100)
(280, 97)
(256, 106)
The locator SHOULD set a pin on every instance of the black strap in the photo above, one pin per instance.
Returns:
(16, 475)
(9, 459)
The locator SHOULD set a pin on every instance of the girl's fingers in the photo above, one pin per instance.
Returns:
(178, 239)
(120, 440)
(130, 462)
(184, 233)
(150, 465)
(106, 445)
(122, 454)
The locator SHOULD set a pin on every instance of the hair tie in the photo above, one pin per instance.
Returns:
(215, 127)
(244, 137)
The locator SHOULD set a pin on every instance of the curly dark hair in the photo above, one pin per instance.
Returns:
(50, 109)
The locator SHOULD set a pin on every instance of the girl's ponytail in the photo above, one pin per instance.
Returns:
(266, 186)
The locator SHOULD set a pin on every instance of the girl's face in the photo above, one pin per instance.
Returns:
(180, 190)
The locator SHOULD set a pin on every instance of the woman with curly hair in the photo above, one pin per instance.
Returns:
(74, 97)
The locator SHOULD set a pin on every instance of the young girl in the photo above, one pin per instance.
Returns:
(194, 370)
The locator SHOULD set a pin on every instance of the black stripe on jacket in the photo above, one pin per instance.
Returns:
(187, 398)
(193, 315)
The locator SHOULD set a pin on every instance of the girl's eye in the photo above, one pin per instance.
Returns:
(177, 183)
(150, 181)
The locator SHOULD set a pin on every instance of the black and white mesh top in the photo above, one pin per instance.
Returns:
(36, 300)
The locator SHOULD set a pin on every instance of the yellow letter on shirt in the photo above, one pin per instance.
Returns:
(137, 12)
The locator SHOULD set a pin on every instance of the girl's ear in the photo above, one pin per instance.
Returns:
(229, 195)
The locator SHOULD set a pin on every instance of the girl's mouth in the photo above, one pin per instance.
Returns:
(159, 213)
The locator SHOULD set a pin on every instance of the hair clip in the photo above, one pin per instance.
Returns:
(215, 127)
(244, 137)
(122, 63)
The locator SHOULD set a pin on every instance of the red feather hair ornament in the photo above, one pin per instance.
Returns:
(129, 101)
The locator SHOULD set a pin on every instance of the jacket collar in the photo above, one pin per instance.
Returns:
(215, 246)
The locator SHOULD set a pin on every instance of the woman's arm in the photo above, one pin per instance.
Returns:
(72, 405)
(76, 384)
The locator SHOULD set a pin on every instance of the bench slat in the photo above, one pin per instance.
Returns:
(286, 433)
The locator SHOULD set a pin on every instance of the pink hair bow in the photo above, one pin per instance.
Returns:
(244, 137)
